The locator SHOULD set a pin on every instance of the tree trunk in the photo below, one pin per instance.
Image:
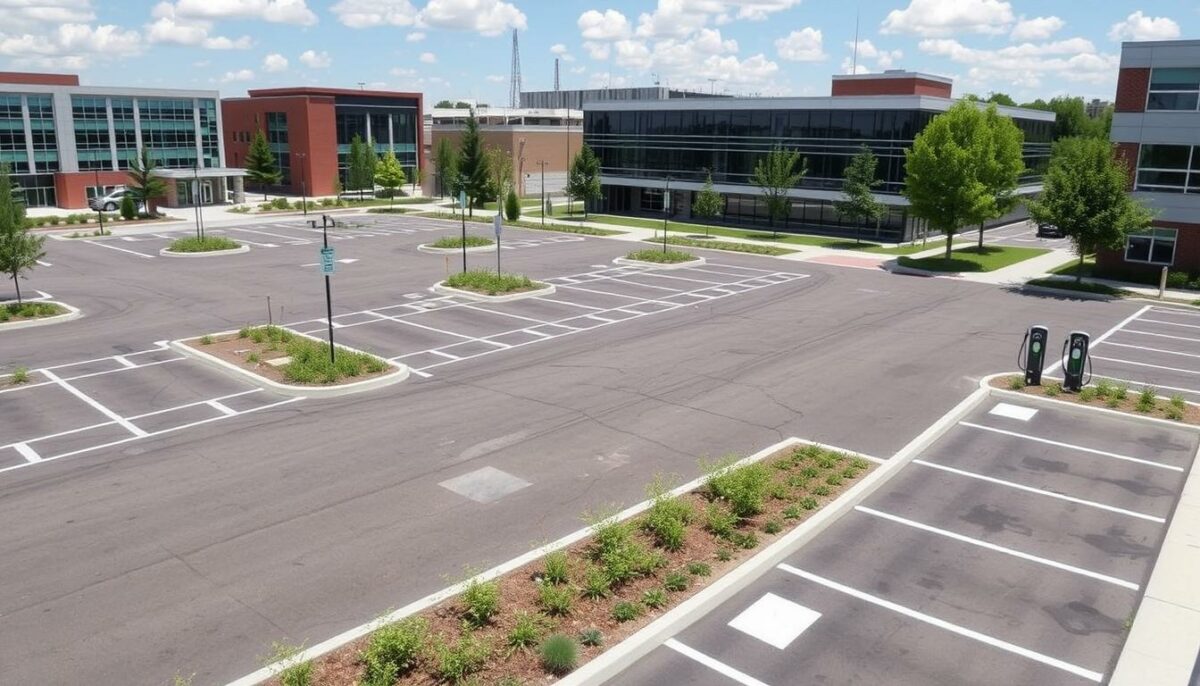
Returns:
(980, 236)
(949, 244)
(1079, 270)
(17, 285)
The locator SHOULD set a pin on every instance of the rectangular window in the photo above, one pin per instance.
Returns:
(1153, 246)
(1164, 168)
(1174, 88)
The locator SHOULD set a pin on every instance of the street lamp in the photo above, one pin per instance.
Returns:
(198, 199)
(303, 188)
(545, 206)
(568, 158)
(99, 208)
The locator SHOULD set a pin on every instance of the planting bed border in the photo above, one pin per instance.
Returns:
(167, 252)
(428, 247)
(442, 289)
(71, 313)
(399, 374)
(699, 261)
(988, 383)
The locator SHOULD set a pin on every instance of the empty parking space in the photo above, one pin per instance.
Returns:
(1023, 234)
(1012, 550)
(1159, 346)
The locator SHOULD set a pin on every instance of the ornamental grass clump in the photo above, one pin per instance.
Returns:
(560, 654)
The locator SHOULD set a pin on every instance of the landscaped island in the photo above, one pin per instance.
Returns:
(486, 282)
(458, 242)
(205, 244)
(660, 256)
(14, 312)
(286, 357)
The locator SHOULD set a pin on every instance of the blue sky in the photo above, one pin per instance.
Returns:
(461, 48)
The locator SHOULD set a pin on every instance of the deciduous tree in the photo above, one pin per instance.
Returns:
(20, 250)
(260, 163)
(1001, 165)
(858, 203)
(389, 174)
(709, 203)
(583, 180)
(775, 175)
(445, 162)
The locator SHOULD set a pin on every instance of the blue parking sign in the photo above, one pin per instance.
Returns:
(327, 261)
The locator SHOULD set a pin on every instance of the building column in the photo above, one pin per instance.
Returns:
(197, 135)
(239, 189)
(112, 134)
(137, 125)
(28, 125)
(369, 145)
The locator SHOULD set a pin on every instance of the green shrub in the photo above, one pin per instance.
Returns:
(280, 204)
(596, 583)
(834, 479)
(1178, 401)
(253, 358)
(1016, 383)
(244, 332)
(458, 242)
(512, 206)
(1148, 395)
(820, 491)
(699, 569)
(1104, 388)
(793, 512)
(772, 527)
(526, 631)
(327, 202)
(393, 650)
(1087, 394)
(745, 540)
(625, 611)
(193, 244)
(19, 375)
(555, 600)
(744, 488)
(489, 282)
(591, 637)
(206, 340)
(667, 518)
(808, 503)
(1113, 402)
(660, 256)
(676, 581)
(1177, 279)
(555, 567)
(54, 221)
(456, 661)
(1121, 391)
(751, 248)
(724, 554)
(1053, 388)
(72, 219)
(719, 521)
(559, 654)
(128, 208)
(481, 601)
(850, 472)
(654, 598)
(608, 535)
(1174, 413)
(293, 671)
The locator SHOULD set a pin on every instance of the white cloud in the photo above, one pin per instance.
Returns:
(884, 59)
(315, 60)
(612, 25)
(238, 75)
(428, 58)
(415, 36)
(360, 14)
(578, 70)
(274, 11)
(496, 78)
(672, 18)
(1138, 26)
(169, 28)
(1038, 28)
(948, 17)
(559, 50)
(487, 17)
(597, 50)
(275, 62)
(1027, 64)
(20, 15)
(804, 45)
(758, 10)
(402, 71)
(607, 80)
(70, 46)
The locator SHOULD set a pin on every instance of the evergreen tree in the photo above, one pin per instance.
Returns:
(445, 163)
(354, 166)
(512, 206)
(260, 163)
(389, 174)
(472, 164)
(142, 181)
(19, 249)
(583, 180)
(709, 204)
(128, 208)
(777, 174)
(858, 203)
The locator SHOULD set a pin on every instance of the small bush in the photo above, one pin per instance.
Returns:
(1053, 388)
(559, 654)
(54, 221)
(1121, 391)
(834, 479)
(19, 375)
(850, 472)
(526, 631)
(1113, 402)
(244, 332)
(667, 518)
(744, 488)
(489, 282)
(699, 569)
(745, 540)
(1016, 383)
(1177, 279)
(654, 598)
(1104, 388)
(1147, 399)
(820, 491)
(280, 204)
(1087, 394)
(596, 583)
(512, 206)
(772, 527)
(555, 567)
(724, 554)
(394, 650)
(676, 581)
(253, 358)
(1178, 401)
(128, 208)
(591, 637)
(808, 503)
(556, 600)
(456, 661)
(719, 521)
(793, 512)
(206, 340)
(660, 256)
(626, 611)
(1174, 413)
(481, 601)
(293, 672)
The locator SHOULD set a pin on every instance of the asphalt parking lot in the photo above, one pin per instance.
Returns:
(1011, 551)
(1158, 346)
(1021, 234)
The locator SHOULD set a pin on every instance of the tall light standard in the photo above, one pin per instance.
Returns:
(99, 208)
(303, 188)
(545, 205)
(198, 199)
(568, 157)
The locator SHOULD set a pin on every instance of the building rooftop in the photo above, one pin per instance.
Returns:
(318, 91)
(893, 74)
(39, 79)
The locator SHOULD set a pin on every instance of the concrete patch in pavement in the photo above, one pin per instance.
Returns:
(485, 485)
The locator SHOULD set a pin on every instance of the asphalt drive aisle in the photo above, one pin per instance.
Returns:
(1013, 550)
(1158, 346)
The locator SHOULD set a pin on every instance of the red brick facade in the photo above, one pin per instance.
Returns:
(890, 86)
(312, 137)
(70, 188)
(1133, 84)
(31, 79)
(1187, 255)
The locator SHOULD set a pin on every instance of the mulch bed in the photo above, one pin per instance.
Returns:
(234, 350)
(519, 590)
(1129, 405)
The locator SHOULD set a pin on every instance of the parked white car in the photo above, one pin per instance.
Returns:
(110, 202)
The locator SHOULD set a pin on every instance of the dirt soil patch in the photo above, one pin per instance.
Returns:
(1108, 395)
(791, 485)
(254, 353)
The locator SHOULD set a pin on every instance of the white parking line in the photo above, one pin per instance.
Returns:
(615, 295)
(1120, 325)
(125, 423)
(1171, 310)
(565, 302)
(124, 362)
(1038, 491)
(943, 624)
(26, 452)
(999, 549)
(713, 664)
(1153, 350)
(1159, 321)
(1162, 335)
(113, 247)
(221, 407)
(1072, 446)
(1146, 364)
(1118, 379)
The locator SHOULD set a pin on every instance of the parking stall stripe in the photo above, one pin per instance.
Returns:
(615, 295)
(1162, 335)
(68, 432)
(1038, 491)
(122, 369)
(1160, 321)
(95, 404)
(999, 549)
(1153, 350)
(26, 452)
(124, 362)
(943, 624)
(684, 278)
(564, 302)
(713, 664)
(1146, 364)
(1171, 310)
(1120, 325)
(505, 314)
(1072, 446)
(113, 247)
(1131, 381)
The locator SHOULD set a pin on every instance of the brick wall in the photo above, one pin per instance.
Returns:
(1133, 83)
(908, 86)
(311, 133)
(70, 188)
(1187, 255)
(27, 78)
(550, 146)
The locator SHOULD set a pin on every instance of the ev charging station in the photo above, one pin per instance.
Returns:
(1033, 352)
(1075, 360)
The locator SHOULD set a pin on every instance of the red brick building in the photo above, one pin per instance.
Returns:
(310, 130)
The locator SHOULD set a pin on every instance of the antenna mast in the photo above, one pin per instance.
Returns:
(853, 69)
(556, 89)
(514, 86)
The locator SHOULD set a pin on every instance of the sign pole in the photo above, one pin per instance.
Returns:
(328, 289)
(496, 223)
(666, 206)
(462, 201)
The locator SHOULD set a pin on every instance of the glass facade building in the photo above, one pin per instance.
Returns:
(390, 123)
(641, 144)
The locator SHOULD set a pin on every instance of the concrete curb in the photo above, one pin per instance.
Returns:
(610, 663)
(432, 599)
(698, 262)
(167, 252)
(425, 247)
(442, 289)
(1080, 295)
(1078, 408)
(291, 390)
(71, 313)
(897, 268)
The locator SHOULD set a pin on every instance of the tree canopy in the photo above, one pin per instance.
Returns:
(709, 203)
(260, 163)
(19, 249)
(473, 171)
(388, 173)
(1002, 164)
(445, 163)
(776, 175)
(583, 179)
(1001, 99)
(858, 202)
(1084, 193)
(144, 185)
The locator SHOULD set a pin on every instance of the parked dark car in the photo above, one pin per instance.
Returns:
(1049, 231)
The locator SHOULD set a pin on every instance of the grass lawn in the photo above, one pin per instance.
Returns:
(1083, 286)
(525, 202)
(660, 256)
(457, 242)
(206, 244)
(1072, 268)
(29, 310)
(491, 283)
(751, 248)
(990, 258)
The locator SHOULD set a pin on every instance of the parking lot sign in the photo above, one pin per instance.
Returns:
(327, 261)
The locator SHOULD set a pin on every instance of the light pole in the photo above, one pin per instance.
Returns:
(99, 207)
(666, 210)
(545, 207)
(568, 158)
(303, 189)
(198, 198)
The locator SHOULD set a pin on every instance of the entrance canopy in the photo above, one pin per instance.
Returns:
(210, 185)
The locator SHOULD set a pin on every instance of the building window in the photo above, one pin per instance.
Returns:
(1174, 88)
(277, 140)
(1168, 169)
(1153, 246)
